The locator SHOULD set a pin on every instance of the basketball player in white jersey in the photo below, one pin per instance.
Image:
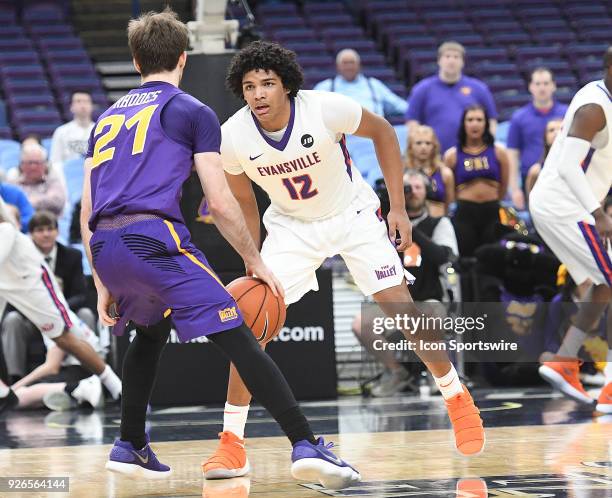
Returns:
(565, 205)
(291, 143)
(27, 283)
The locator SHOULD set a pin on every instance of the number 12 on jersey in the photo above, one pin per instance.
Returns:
(306, 191)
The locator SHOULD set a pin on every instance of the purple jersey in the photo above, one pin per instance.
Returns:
(139, 162)
(483, 165)
(437, 192)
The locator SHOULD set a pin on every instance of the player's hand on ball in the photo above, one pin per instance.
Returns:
(107, 308)
(260, 270)
(399, 221)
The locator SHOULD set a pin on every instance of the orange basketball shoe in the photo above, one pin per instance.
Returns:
(229, 460)
(467, 424)
(562, 374)
(604, 402)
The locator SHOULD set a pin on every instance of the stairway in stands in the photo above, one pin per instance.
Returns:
(102, 27)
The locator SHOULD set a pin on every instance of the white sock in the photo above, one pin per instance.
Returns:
(234, 419)
(4, 390)
(111, 382)
(608, 367)
(449, 384)
(572, 342)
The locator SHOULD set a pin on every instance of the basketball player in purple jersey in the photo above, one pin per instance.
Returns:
(140, 152)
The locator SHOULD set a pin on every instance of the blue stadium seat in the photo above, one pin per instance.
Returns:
(3, 118)
(46, 143)
(9, 154)
(74, 173)
(11, 32)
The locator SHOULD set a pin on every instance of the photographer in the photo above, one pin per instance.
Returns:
(433, 244)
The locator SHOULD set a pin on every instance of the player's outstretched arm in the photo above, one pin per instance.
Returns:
(228, 216)
(242, 189)
(390, 160)
(104, 298)
(588, 121)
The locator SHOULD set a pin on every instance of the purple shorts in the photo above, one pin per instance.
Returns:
(152, 269)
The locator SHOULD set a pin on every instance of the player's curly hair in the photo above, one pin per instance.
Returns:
(269, 57)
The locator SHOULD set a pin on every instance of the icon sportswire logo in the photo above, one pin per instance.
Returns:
(228, 314)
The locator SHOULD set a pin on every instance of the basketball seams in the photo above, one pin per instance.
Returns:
(263, 301)
(256, 281)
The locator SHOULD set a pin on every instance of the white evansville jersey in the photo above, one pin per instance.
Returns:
(22, 269)
(551, 197)
(305, 169)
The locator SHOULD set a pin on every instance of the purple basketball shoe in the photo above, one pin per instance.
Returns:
(127, 460)
(315, 462)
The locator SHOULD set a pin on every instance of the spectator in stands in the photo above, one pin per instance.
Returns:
(481, 176)
(13, 195)
(31, 139)
(70, 140)
(439, 100)
(423, 154)
(66, 264)
(552, 129)
(43, 187)
(525, 136)
(434, 245)
(371, 93)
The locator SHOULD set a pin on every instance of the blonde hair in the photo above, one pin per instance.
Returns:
(435, 158)
(451, 45)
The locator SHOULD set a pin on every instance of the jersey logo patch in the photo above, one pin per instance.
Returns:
(307, 140)
(253, 158)
(228, 314)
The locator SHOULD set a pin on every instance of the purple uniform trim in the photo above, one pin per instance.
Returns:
(286, 136)
(347, 157)
(597, 249)
(56, 300)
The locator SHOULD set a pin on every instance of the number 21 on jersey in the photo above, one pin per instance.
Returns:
(115, 123)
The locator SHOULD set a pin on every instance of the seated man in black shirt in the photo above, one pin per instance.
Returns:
(433, 246)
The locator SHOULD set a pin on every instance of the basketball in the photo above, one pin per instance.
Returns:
(263, 312)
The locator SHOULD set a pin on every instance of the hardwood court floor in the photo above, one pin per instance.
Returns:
(565, 451)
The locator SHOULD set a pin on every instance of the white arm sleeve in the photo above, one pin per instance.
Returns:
(573, 152)
(341, 114)
(230, 161)
(8, 234)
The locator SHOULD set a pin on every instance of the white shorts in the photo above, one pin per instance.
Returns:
(42, 302)
(294, 249)
(578, 247)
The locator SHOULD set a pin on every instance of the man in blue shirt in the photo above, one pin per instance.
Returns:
(526, 134)
(439, 100)
(11, 194)
(371, 93)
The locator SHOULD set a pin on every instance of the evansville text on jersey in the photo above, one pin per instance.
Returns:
(289, 167)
